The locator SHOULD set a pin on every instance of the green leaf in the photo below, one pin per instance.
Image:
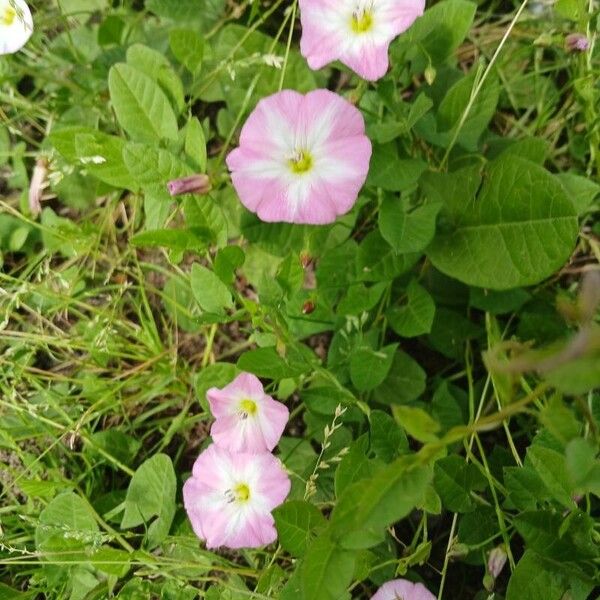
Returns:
(210, 292)
(390, 172)
(175, 239)
(157, 67)
(439, 32)
(536, 577)
(519, 230)
(141, 106)
(388, 439)
(370, 505)
(215, 375)
(583, 466)
(102, 156)
(368, 367)
(454, 480)
(454, 104)
(407, 230)
(66, 528)
(195, 143)
(416, 422)
(405, 382)
(378, 261)
(188, 48)
(326, 571)
(151, 493)
(415, 316)
(297, 522)
(151, 166)
(582, 191)
(550, 466)
(266, 362)
(354, 466)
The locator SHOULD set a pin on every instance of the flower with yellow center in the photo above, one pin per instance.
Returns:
(16, 25)
(246, 419)
(355, 32)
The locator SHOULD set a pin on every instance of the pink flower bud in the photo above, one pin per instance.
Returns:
(496, 561)
(194, 184)
(577, 42)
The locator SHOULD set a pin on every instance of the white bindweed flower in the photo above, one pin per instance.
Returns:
(16, 25)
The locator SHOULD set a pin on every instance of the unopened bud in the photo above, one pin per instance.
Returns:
(430, 74)
(36, 186)
(496, 561)
(577, 42)
(194, 184)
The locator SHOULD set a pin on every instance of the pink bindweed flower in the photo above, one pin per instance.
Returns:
(403, 589)
(246, 419)
(230, 496)
(357, 32)
(16, 25)
(302, 158)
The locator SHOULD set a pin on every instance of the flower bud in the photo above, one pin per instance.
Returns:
(496, 561)
(577, 42)
(194, 184)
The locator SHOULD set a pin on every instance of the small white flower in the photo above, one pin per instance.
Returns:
(16, 25)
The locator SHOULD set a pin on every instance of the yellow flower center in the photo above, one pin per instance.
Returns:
(9, 16)
(301, 162)
(240, 493)
(248, 407)
(362, 21)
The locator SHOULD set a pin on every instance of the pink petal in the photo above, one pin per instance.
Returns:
(402, 588)
(274, 484)
(272, 419)
(370, 61)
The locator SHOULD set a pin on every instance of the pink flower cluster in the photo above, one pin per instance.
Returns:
(236, 482)
(304, 159)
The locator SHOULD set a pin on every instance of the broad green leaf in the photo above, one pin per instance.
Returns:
(151, 166)
(454, 480)
(151, 493)
(204, 213)
(266, 362)
(326, 571)
(141, 106)
(519, 230)
(297, 522)
(407, 230)
(378, 261)
(388, 439)
(544, 531)
(202, 13)
(583, 466)
(404, 383)
(536, 577)
(370, 505)
(188, 48)
(66, 527)
(175, 239)
(455, 103)
(582, 191)
(390, 172)
(102, 156)
(416, 422)
(368, 367)
(354, 466)
(210, 292)
(550, 466)
(415, 315)
(438, 33)
(195, 143)
(157, 67)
